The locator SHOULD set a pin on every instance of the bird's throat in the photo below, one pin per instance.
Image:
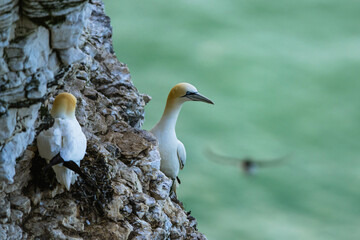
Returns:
(170, 115)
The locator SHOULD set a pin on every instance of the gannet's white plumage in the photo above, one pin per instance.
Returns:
(64, 137)
(172, 151)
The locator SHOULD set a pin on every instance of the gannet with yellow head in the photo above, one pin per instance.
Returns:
(64, 144)
(172, 151)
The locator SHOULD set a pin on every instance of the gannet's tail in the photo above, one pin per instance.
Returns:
(65, 176)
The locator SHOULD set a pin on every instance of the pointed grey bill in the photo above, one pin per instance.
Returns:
(198, 97)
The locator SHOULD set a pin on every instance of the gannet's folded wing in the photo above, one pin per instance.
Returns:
(49, 143)
(73, 141)
(181, 153)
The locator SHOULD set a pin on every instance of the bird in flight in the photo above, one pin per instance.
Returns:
(247, 165)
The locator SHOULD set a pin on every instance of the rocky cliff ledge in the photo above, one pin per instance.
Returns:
(47, 47)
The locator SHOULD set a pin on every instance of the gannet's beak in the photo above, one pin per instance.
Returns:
(195, 96)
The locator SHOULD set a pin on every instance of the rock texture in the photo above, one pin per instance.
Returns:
(47, 47)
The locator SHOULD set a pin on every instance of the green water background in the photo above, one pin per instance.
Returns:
(284, 76)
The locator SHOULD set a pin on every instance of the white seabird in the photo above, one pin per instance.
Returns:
(64, 144)
(172, 151)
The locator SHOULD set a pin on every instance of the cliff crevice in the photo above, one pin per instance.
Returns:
(48, 47)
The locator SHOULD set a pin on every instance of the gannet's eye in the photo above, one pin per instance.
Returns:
(189, 93)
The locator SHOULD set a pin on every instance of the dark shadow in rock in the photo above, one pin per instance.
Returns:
(44, 180)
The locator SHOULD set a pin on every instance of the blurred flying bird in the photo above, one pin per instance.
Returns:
(248, 165)
(64, 144)
(172, 151)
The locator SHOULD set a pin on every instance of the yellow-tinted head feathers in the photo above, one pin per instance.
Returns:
(186, 92)
(180, 90)
(64, 106)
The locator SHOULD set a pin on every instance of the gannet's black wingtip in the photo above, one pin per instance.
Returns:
(57, 159)
(74, 167)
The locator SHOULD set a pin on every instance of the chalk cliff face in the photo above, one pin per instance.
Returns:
(48, 47)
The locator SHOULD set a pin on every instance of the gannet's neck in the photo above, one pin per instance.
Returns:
(64, 115)
(170, 115)
(66, 119)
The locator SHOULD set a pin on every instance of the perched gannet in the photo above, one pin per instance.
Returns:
(172, 151)
(64, 144)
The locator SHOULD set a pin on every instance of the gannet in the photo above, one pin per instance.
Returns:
(64, 144)
(172, 151)
(247, 164)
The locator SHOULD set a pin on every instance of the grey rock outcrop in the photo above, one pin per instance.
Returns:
(48, 47)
